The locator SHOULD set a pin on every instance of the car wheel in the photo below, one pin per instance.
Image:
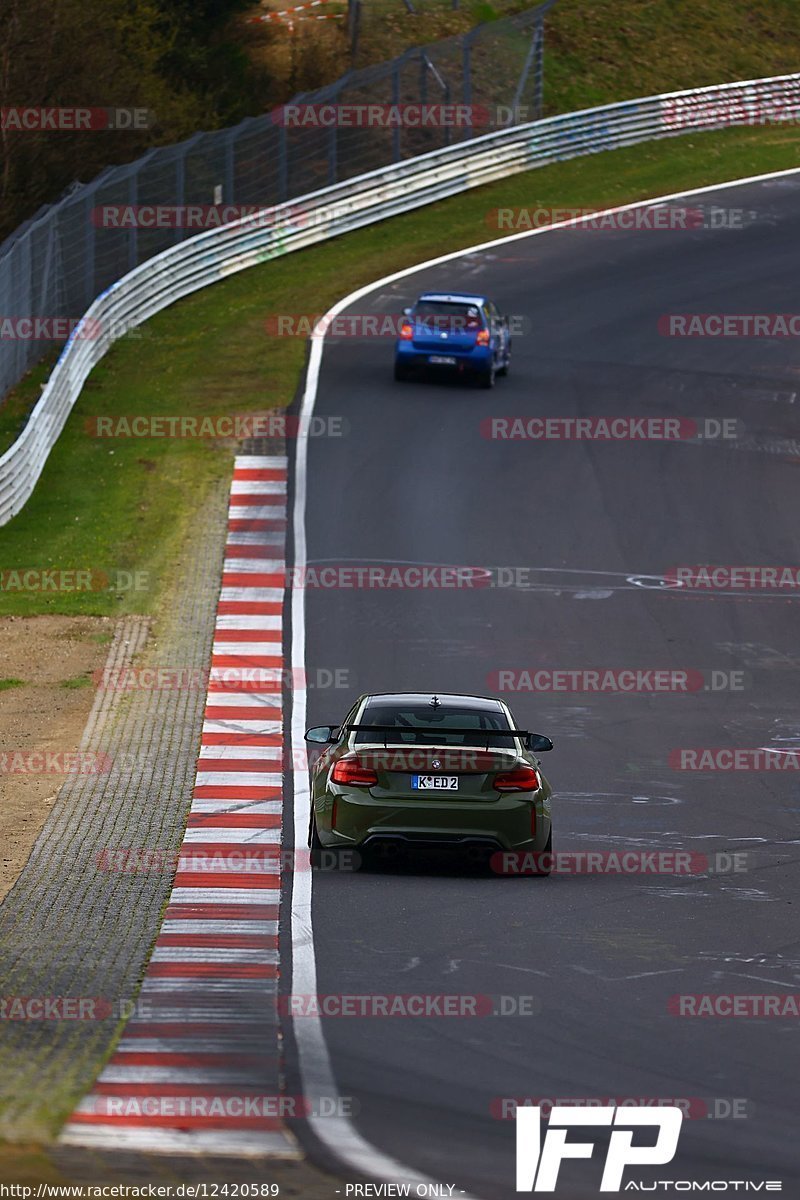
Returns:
(400, 373)
(314, 844)
(547, 866)
(487, 377)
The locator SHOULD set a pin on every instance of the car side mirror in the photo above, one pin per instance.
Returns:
(539, 743)
(406, 312)
(322, 734)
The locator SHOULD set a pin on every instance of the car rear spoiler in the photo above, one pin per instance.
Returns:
(478, 733)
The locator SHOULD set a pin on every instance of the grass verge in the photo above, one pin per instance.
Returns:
(610, 50)
(122, 508)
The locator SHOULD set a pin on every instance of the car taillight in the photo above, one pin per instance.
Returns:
(406, 331)
(523, 779)
(483, 337)
(351, 772)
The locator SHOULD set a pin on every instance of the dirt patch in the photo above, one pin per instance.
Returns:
(46, 694)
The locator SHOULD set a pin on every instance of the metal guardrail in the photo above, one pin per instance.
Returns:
(209, 257)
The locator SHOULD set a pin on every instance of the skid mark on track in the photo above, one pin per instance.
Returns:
(618, 798)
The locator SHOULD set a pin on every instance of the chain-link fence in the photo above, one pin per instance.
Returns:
(68, 253)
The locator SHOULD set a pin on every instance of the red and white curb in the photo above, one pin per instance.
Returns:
(197, 1068)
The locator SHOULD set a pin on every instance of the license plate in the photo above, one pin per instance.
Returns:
(442, 360)
(435, 783)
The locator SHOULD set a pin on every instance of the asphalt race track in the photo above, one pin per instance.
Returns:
(414, 481)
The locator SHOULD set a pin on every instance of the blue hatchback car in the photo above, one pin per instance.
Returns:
(453, 332)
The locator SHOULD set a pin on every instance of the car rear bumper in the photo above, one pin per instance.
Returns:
(477, 359)
(504, 823)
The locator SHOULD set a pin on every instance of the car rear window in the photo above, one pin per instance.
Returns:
(424, 725)
(447, 315)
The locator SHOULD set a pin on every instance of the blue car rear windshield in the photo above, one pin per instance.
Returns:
(447, 314)
(423, 725)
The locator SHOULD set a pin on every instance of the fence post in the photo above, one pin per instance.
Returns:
(538, 68)
(283, 166)
(25, 246)
(89, 244)
(133, 197)
(230, 143)
(396, 101)
(333, 153)
(133, 192)
(466, 82)
(535, 59)
(353, 26)
(180, 192)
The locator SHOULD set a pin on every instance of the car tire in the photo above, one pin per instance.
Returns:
(487, 377)
(314, 844)
(548, 850)
(400, 373)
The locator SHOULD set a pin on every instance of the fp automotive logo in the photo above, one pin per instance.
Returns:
(538, 1165)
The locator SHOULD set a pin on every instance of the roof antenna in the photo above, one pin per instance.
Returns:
(435, 701)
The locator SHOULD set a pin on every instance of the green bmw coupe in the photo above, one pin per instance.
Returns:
(410, 769)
